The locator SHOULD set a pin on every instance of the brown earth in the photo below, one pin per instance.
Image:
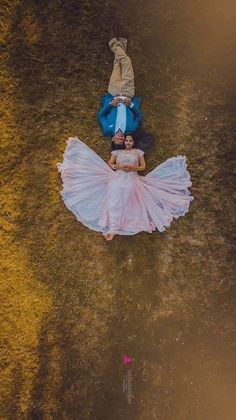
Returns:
(72, 304)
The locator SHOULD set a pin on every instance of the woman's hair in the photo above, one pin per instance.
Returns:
(143, 140)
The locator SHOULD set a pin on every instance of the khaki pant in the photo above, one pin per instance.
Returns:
(122, 77)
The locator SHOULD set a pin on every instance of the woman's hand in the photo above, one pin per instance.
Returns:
(129, 168)
(122, 166)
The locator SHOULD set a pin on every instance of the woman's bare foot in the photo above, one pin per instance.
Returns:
(109, 236)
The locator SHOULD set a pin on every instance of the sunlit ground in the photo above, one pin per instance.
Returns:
(72, 305)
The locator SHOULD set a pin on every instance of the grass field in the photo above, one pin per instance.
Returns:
(72, 304)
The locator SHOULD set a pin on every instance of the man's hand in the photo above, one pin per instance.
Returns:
(115, 102)
(127, 101)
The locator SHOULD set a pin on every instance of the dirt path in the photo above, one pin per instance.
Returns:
(74, 305)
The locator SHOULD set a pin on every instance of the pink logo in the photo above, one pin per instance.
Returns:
(127, 359)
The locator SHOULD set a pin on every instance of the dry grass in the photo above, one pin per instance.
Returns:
(73, 305)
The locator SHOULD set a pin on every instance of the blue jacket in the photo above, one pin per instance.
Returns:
(107, 116)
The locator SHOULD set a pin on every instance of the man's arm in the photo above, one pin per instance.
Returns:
(102, 118)
(138, 115)
(102, 115)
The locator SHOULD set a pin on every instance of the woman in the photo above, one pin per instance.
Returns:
(114, 198)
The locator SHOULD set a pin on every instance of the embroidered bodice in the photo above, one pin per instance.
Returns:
(128, 156)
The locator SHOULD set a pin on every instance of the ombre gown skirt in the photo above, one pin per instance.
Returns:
(122, 202)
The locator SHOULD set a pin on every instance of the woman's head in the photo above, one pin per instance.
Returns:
(129, 141)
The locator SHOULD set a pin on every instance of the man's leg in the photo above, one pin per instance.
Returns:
(127, 77)
(115, 83)
(127, 73)
(122, 78)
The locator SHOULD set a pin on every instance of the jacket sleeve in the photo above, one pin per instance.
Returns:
(102, 118)
(138, 116)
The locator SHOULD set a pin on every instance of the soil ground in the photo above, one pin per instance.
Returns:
(74, 305)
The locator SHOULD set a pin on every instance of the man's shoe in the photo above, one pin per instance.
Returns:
(112, 32)
(123, 42)
(117, 33)
(121, 33)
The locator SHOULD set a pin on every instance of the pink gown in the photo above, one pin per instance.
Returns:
(121, 202)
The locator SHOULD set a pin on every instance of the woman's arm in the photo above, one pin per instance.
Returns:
(113, 165)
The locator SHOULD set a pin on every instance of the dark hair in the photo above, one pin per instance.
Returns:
(117, 146)
(143, 140)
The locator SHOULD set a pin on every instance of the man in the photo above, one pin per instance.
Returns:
(120, 113)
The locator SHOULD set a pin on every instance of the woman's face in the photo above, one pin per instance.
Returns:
(129, 142)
